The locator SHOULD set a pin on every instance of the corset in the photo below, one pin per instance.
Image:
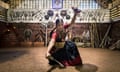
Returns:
(60, 40)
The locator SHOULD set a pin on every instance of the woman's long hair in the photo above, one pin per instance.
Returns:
(57, 22)
(52, 32)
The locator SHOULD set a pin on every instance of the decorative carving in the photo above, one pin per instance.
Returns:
(3, 12)
(90, 16)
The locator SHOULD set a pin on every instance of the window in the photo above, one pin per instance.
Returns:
(47, 4)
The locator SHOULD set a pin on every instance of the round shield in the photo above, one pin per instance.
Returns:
(50, 13)
(46, 17)
(68, 17)
(63, 13)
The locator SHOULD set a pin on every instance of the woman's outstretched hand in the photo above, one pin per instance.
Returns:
(76, 10)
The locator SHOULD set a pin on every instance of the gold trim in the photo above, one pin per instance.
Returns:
(59, 44)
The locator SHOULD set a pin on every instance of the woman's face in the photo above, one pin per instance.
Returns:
(60, 27)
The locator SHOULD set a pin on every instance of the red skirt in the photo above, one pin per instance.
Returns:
(68, 56)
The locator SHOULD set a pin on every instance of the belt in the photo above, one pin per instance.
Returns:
(59, 44)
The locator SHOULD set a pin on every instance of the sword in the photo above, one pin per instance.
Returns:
(52, 58)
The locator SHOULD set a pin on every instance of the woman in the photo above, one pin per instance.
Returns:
(61, 52)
